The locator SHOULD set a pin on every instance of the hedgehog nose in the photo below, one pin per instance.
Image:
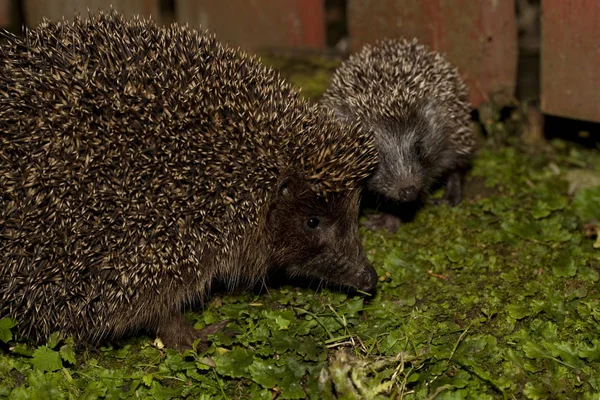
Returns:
(409, 193)
(367, 279)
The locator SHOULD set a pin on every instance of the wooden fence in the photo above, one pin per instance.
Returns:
(5, 13)
(479, 36)
(570, 58)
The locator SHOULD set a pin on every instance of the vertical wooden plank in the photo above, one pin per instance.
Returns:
(5, 13)
(479, 37)
(258, 24)
(311, 13)
(55, 10)
(570, 58)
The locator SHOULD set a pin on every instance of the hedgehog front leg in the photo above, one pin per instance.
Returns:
(453, 191)
(176, 333)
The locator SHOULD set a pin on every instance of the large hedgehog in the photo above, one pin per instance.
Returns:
(139, 163)
(416, 105)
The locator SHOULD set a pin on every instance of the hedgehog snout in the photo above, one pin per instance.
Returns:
(366, 279)
(408, 193)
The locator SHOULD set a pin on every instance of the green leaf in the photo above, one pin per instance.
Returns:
(160, 392)
(289, 383)
(591, 353)
(282, 322)
(567, 352)
(176, 362)
(281, 342)
(589, 274)
(308, 349)
(293, 390)
(519, 311)
(406, 298)
(536, 391)
(544, 208)
(586, 204)
(535, 350)
(94, 390)
(205, 363)
(456, 254)
(54, 340)
(22, 350)
(550, 331)
(123, 352)
(260, 393)
(565, 266)
(148, 379)
(68, 354)
(234, 363)
(266, 372)
(352, 307)
(152, 354)
(6, 324)
(45, 359)
(282, 318)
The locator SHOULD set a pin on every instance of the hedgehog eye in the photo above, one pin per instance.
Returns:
(419, 150)
(312, 222)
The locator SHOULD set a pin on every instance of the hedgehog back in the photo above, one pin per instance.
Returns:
(393, 78)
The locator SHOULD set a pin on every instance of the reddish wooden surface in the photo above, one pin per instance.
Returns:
(570, 58)
(54, 10)
(479, 37)
(259, 24)
(4, 13)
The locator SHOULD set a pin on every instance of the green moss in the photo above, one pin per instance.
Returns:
(496, 298)
(310, 74)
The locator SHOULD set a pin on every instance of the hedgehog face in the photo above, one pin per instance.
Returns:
(319, 239)
(412, 152)
(400, 173)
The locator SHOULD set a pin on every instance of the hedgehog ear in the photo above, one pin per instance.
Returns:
(285, 188)
(290, 187)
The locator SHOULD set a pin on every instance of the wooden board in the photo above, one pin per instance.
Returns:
(54, 10)
(258, 24)
(479, 37)
(5, 12)
(570, 59)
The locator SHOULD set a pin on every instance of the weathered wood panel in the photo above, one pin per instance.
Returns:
(54, 10)
(570, 58)
(258, 24)
(479, 37)
(5, 12)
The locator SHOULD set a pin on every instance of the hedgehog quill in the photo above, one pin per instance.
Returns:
(416, 105)
(140, 163)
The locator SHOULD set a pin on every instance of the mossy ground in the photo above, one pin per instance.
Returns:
(496, 298)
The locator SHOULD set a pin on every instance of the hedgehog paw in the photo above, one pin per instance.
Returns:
(379, 221)
(440, 201)
(449, 200)
(177, 334)
(453, 192)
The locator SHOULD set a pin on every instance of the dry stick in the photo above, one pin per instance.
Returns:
(460, 338)
(220, 385)
(316, 319)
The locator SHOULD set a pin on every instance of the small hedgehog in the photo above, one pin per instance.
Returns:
(416, 105)
(138, 164)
